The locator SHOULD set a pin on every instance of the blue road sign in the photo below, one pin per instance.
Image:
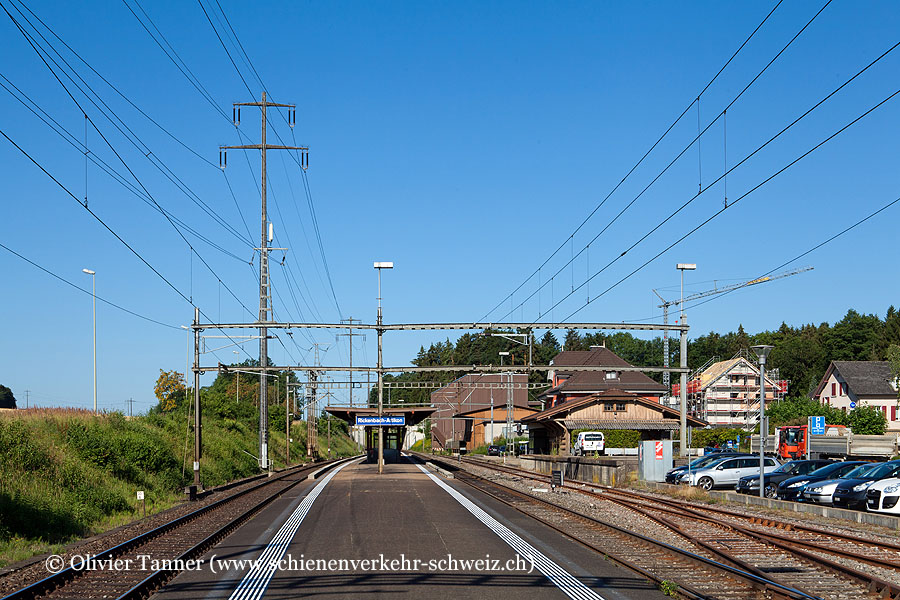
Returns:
(393, 421)
(817, 425)
(852, 405)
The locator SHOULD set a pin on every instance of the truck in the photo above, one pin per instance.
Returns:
(838, 442)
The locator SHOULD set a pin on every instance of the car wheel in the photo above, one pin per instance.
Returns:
(770, 490)
(705, 483)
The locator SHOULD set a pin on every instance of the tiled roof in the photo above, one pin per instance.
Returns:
(595, 381)
(864, 377)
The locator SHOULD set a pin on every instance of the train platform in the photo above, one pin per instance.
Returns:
(355, 533)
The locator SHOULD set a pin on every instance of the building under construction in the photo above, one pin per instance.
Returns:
(725, 393)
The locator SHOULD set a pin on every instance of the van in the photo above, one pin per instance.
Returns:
(588, 442)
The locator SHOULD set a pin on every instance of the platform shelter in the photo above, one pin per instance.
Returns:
(394, 422)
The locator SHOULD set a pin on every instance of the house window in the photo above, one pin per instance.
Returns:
(620, 406)
(611, 375)
(608, 406)
(894, 413)
(833, 389)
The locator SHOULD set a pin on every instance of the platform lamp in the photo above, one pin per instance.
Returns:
(502, 354)
(379, 266)
(762, 352)
(682, 391)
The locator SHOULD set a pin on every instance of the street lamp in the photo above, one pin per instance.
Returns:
(94, 303)
(762, 352)
(682, 392)
(379, 266)
(502, 354)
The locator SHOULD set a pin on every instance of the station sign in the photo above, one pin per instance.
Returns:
(376, 421)
(817, 425)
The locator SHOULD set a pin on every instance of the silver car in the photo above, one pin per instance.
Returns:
(727, 472)
(821, 492)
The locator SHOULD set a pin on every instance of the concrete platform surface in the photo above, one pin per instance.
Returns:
(401, 534)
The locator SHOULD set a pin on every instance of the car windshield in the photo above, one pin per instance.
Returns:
(789, 467)
(705, 461)
(827, 469)
(593, 437)
(861, 471)
(791, 436)
(883, 470)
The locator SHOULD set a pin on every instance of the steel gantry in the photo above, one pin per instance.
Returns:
(381, 370)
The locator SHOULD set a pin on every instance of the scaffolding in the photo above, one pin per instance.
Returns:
(726, 393)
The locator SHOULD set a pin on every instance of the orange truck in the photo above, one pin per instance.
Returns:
(838, 442)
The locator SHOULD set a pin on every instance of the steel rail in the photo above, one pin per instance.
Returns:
(752, 579)
(72, 572)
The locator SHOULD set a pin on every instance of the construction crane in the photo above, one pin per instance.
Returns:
(718, 290)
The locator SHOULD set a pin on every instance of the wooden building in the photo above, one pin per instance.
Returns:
(477, 428)
(550, 430)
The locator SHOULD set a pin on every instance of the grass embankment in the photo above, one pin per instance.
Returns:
(67, 474)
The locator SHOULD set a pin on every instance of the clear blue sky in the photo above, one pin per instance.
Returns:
(464, 141)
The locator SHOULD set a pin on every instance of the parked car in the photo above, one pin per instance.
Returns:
(792, 488)
(749, 484)
(673, 475)
(493, 450)
(587, 442)
(822, 492)
(882, 496)
(852, 493)
(727, 472)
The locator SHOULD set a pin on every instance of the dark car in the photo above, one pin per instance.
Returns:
(852, 493)
(493, 450)
(698, 463)
(749, 484)
(790, 489)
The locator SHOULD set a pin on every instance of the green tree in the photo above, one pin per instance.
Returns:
(867, 420)
(7, 400)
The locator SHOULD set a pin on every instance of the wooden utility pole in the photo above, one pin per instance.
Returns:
(265, 298)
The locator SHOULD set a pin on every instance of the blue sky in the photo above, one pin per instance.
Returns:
(465, 142)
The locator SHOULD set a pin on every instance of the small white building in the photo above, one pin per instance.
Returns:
(851, 383)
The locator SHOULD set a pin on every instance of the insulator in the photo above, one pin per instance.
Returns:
(233, 114)
(220, 159)
(239, 116)
(226, 159)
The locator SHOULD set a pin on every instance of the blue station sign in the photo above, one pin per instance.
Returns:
(376, 421)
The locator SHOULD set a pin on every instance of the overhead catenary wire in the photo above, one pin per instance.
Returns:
(113, 117)
(729, 170)
(744, 195)
(640, 160)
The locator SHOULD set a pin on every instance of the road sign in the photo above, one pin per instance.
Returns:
(852, 405)
(817, 425)
(140, 495)
(376, 421)
(659, 450)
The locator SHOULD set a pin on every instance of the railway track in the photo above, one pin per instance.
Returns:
(819, 562)
(794, 537)
(698, 576)
(164, 547)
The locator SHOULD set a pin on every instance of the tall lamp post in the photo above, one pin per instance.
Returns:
(683, 361)
(502, 354)
(379, 266)
(93, 275)
(762, 352)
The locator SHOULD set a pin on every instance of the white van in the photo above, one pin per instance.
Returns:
(588, 442)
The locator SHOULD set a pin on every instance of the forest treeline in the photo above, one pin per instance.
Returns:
(801, 354)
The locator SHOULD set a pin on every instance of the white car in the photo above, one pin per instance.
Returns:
(727, 472)
(882, 496)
